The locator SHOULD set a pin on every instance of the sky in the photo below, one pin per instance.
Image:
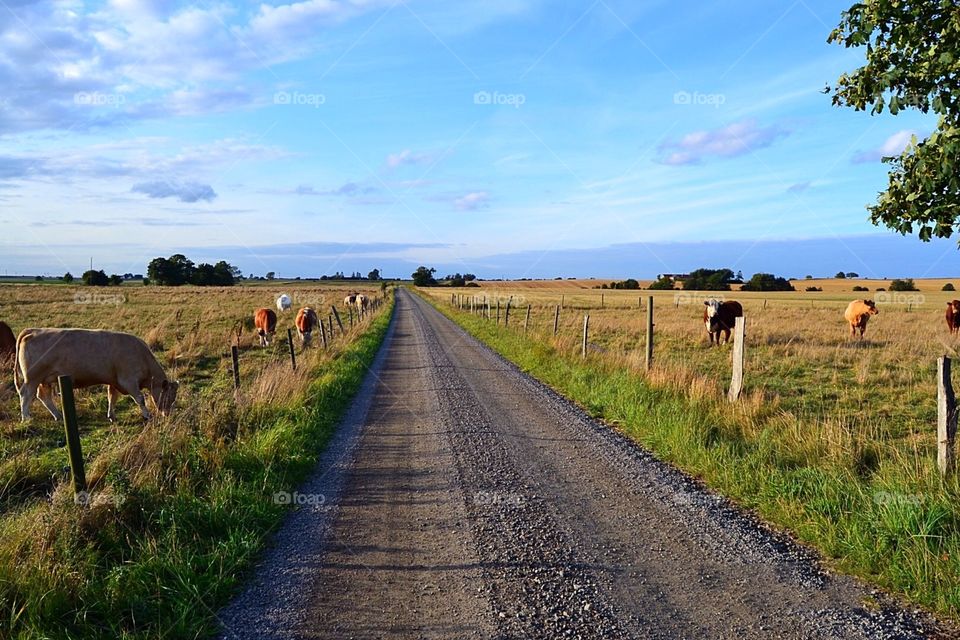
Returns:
(507, 139)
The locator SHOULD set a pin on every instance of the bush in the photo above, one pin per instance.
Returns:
(859, 288)
(767, 282)
(708, 280)
(814, 289)
(903, 285)
(661, 284)
(948, 287)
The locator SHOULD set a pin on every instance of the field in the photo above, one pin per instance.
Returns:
(834, 438)
(177, 506)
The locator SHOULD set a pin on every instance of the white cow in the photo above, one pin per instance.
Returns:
(90, 357)
(361, 303)
(284, 302)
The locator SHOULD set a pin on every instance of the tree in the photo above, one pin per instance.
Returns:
(271, 275)
(469, 277)
(93, 278)
(948, 287)
(709, 280)
(767, 282)
(661, 284)
(853, 274)
(841, 275)
(912, 53)
(903, 285)
(423, 277)
(116, 280)
(68, 277)
(374, 275)
(629, 283)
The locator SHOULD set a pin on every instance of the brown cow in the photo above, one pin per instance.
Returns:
(719, 317)
(8, 343)
(265, 321)
(90, 357)
(858, 314)
(306, 320)
(953, 316)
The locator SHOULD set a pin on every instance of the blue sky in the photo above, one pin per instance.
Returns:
(501, 138)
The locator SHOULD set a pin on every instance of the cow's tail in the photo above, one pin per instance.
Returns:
(16, 360)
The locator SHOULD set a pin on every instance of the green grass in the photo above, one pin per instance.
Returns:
(188, 507)
(871, 508)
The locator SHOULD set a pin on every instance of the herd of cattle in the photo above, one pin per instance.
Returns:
(265, 320)
(125, 364)
(121, 361)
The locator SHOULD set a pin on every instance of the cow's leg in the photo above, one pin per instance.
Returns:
(112, 395)
(27, 393)
(726, 335)
(45, 393)
(138, 398)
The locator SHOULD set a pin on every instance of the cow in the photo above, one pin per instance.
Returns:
(350, 300)
(719, 317)
(265, 322)
(953, 316)
(284, 303)
(858, 313)
(306, 320)
(90, 357)
(8, 343)
(361, 303)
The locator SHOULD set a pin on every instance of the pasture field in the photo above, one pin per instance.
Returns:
(833, 439)
(829, 285)
(177, 506)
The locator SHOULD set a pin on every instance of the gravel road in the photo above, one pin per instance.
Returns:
(462, 499)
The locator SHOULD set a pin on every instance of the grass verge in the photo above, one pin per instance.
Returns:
(869, 511)
(178, 513)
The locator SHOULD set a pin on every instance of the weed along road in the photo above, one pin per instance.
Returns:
(462, 499)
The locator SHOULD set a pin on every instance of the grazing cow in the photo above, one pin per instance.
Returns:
(265, 321)
(90, 357)
(720, 317)
(306, 320)
(350, 300)
(361, 303)
(8, 343)
(858, 313)
(284, 303)
(953, 316)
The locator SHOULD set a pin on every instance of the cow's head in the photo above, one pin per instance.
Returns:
(871, 307)
(954, 305)
(713, 306)
(165, 396)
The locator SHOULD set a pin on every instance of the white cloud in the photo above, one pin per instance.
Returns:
(733, 140)
(472, 201)
(407, 157)
(892, 146)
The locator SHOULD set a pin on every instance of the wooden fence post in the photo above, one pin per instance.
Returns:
(946, 418)
(649, 359)
(498, 310)
(561, 300)
(526, 321)
(601, 301)
(330, 322)
(586, 329)
(506, 316)
(736, 380)
(323, 334)
(73, 439)
(293, 356)
(337, 316)
(556, 320)
(235, 356)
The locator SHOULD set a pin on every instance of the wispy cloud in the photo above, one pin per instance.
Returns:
(183, 191)
(733, 140)
(406, 158)
(473, 201)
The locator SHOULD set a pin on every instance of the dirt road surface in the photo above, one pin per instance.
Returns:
(462, 499)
